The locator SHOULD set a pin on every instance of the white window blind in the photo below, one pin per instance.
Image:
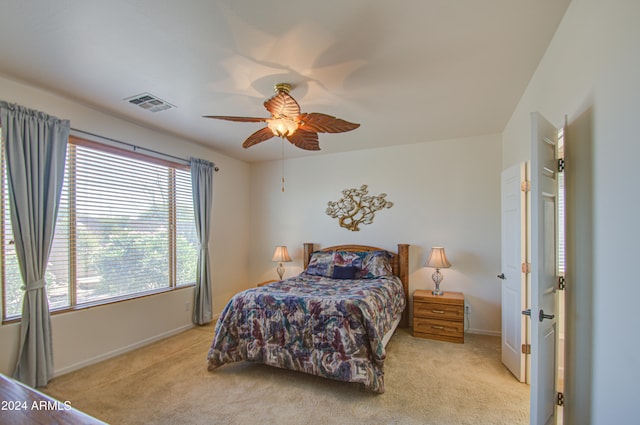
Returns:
(122, 225)
(187, 244)
(125, 228)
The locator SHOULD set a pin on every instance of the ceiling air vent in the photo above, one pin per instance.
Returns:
(150, 102)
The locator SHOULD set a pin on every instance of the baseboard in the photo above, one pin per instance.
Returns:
(122, 350)
(483, 332)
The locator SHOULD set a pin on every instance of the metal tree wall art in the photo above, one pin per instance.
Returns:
(356, 207)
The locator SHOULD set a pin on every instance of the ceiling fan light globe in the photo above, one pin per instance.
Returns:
(282, 127)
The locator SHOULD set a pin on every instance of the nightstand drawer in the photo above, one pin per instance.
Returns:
(438, 311)
(438, 329)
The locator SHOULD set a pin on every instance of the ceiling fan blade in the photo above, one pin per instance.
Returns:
(257, 137)
(324, 123)
(307, 140)
(281, 104)
(237, 119)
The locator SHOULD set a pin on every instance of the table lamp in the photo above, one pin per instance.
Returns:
(281, 255)
(437, 260)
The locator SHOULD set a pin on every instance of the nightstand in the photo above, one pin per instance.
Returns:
(438, 317)
(266, 282)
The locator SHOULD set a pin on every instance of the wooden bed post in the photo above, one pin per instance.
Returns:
(403, 273)
(308, 249)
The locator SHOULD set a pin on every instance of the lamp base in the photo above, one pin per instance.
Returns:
(437, 278)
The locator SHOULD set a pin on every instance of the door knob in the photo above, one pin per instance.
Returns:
(526, 312)
(501, 276)
(543, 316)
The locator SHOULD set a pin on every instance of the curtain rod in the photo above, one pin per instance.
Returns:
(135, 147)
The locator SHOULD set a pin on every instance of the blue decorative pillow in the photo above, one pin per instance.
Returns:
(344, 272)
(321, 264)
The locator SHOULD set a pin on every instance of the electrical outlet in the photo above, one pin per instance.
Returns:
(186, 306)
(467, 309)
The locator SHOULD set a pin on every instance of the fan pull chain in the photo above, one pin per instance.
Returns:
(283, 165)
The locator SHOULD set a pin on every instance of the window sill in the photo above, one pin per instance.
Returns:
(84, 306)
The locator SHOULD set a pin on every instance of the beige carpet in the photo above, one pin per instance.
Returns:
(427, 382)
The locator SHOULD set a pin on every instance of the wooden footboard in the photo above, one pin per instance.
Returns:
(399, 263)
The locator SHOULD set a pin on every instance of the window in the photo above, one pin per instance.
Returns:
(125, 228)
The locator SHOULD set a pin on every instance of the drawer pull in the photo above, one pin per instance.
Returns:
(438, 311)
(437, 327)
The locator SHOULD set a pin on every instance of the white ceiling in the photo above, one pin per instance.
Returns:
(408, 71)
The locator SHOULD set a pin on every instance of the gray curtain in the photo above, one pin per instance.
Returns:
(202, 190)
(36, 146)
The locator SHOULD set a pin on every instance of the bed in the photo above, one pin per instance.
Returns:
(332, 320)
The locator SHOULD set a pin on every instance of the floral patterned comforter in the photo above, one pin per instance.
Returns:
(322, 326)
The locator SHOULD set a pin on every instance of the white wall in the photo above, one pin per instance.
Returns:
(89, 335)
(590, 72)
(444, 193)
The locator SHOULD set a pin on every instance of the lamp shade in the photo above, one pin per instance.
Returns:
(437, 259)
(281, 255)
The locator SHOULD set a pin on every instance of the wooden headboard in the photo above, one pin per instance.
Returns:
(399, 263)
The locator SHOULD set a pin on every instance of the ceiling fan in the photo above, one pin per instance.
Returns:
(286, 121)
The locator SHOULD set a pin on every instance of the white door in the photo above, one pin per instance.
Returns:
(513, 280)
(543, 270)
